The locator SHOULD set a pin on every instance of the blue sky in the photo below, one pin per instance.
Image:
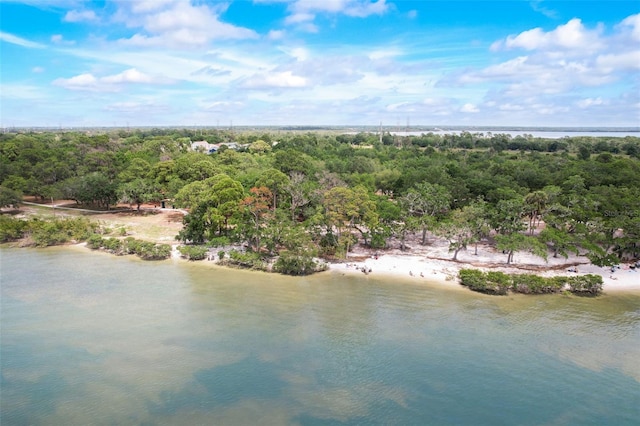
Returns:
(319, 62)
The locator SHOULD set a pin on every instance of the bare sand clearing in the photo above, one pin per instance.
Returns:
(432, 262)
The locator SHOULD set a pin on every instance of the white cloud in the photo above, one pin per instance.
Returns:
(146, 6)
(299, 17)
(509, 107)
(276, 34)
(305, 11)
(80, 16)
(137, 107)
(549, 13)
(224, 106)
(129, 76)
(632, 25)
(178, 24)
(572, 35)
(469, 108)
(299, 53)
(111, 83)
(10, 38)
(284, 79)
(59, 39)
(37, 70)
(620, 61)
(589, 102)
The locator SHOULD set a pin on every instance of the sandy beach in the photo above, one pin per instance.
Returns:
(433, 263)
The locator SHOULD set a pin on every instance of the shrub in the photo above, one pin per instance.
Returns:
(221, 255)
(146, 250)
(293, 264)
(472, 278)
(534, 284)
(151, 251)
(586, 284)
(193, 252)
(489, 282)
(249, 260)
(11, 229)
(498, 282)
(94, 242)
(113, 245)
(130, 245)
(219, 242)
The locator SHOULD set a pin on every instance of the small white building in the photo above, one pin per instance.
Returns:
(204, 146)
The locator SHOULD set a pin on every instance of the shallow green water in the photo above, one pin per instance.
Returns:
(96, 339)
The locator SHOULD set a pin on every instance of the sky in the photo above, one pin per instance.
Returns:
(73, 63)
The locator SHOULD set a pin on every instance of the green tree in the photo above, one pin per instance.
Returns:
(138, 191)
(213, 203)
(9, 197)
(257, 206)
(259, 147)
(510, 243)
(427, 202)
(534, 205)
(276, 181)
(345, 208)
(299, 190)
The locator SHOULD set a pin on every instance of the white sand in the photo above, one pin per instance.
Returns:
(433, 263)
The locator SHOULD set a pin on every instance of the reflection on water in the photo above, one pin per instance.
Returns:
(94, 339)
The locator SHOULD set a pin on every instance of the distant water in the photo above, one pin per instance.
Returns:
(533, 133)
(96, 339)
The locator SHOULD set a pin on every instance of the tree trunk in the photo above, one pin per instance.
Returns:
(509, 257)
(424, 236)
(455, 254)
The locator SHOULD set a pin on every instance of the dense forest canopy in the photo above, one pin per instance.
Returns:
(303, 194)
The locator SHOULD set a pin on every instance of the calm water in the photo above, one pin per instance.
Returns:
(96, 339)
(545, 134)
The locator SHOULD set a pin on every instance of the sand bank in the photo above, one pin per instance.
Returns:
(434, 264)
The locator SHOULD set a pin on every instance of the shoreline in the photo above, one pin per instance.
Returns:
(412, 267)
(422, 269)
(445, 272)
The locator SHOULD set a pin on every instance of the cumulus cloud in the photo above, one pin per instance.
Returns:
(178, 24)
(572, 35)
(559, 61)
(80, 16)
(620, 61)
(110, 83)
(631, 25)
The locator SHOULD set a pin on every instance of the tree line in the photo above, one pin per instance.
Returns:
(296, 196)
